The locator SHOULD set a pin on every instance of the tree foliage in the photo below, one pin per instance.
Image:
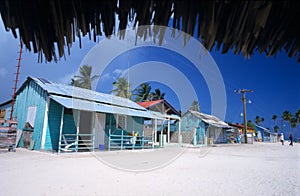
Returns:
(157, 94)
(195, 106)
(143, 93)
(122, 88)
(85, 79)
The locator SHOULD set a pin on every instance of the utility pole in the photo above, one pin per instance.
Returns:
(243, 92)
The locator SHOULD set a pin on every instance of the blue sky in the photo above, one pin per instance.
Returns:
(275, 81)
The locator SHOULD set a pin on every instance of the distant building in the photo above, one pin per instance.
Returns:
(168, 119)
(250, 132)
(203, 129)
(265, 135)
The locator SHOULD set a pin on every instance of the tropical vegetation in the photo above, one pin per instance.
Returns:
(85, 78)
(195, 106)
(121, 88)
(143, 93)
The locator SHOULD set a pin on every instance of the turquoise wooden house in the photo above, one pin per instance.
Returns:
(265, 135)
(203, 129)
(65, 118)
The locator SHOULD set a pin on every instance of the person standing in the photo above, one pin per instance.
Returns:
(291, 138)
(282, 139)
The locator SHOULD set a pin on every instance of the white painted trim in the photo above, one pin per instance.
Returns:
(77, 129)
(61, 127)
(169, 127)
(94, 128)
(155, 130)
(44, 133)
(179, 131)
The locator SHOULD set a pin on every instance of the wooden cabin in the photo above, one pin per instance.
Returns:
(203, 129)
(168, 119)
(60, 117)
(265, 135)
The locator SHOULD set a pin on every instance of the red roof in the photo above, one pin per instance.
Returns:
(240, 126)
(147, 104)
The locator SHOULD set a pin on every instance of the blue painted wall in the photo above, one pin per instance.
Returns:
(69, 126)
(53, 128)
(31, 95)
(189, 122)
(52, 133)
(261, 132)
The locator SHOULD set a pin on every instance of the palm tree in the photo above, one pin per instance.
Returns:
(274, 117)
(85, 79)
(74, 82)
(293, 123)
(143, 92)
(257, 120)
(122, 88)
(287, 116)
(156, 95)
(262, 120)
(250, 124)
(195, 106)
(276, 129)
(297, 116)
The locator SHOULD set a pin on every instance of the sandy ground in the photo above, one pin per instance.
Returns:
(257, 169)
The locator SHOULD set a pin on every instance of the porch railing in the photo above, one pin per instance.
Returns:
(76, 142)
(124, 141)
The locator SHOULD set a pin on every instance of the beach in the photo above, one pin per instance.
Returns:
(229, 169)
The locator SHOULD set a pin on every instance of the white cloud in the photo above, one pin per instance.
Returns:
(112, 75)
(105, 76)
(3, 72)
(118, 71)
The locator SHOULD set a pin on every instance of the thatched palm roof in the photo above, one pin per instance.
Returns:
(265, 26)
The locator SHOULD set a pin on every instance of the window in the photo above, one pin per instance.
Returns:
(121, 121)
(31, 112)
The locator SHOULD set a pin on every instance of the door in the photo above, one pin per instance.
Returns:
(99, 129)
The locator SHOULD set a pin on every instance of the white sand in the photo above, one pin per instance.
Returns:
(258, 169)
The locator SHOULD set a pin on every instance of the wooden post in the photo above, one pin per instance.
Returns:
(44, 133)
(155, 130)
(109, 132)
(179, 132)
(169, 126)
(60, 129)
(77, 129)
(93, 132)
(122, 139)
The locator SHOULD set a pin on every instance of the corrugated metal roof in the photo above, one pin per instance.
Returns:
(85, 94)
(161, 116)
(264, 129)
(210, 119)
(79, 104)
